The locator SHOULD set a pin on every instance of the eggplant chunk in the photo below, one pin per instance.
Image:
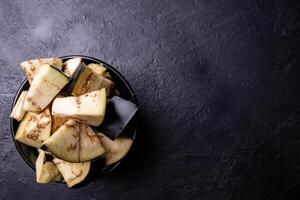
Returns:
(73, 173)
(90, 145)
(119, 113)
(64, 143)
(31, 67)
(89, 81)
(97, 68)
(88, 108)
(75, 142)
(18, 112)
(116, 149)
(45, 86)
(71, 65)
(57, 122)
(100, 69)
(46, 171)
(35, 128)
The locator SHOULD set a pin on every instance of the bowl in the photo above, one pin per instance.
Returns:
(29, 154)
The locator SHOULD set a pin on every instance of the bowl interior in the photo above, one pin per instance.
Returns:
(29, 154)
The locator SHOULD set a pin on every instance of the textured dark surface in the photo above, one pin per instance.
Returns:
(217, 82)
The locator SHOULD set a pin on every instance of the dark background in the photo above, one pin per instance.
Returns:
(217, 82)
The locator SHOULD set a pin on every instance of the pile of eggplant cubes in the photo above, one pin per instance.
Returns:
(59, 113)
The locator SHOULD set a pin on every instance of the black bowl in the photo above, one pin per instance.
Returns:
(29, 154)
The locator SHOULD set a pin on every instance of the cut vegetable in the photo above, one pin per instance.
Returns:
(46, 171)
(73, 173)
(35, 128)
(45, 86)
(119, 113)
(97, 68)
(71, 66)
(75, 142)
(66, 135)
(100, 69)
(115, 149)
(89, 81)
(90, 145)
(57, 122)
(64, 143)
(88, 108)
(31, 67)
(18, 111)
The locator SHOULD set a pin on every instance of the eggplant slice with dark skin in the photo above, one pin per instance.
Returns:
(46, 84)
(75, 142)
(118, 115)
(64, 143)
(31, 67)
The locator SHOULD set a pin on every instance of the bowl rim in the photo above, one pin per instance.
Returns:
(106, 169)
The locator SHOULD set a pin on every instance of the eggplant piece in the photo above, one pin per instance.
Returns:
(31, 67)
(97, 68)
(88, 108)
(89, 81)
(71, 66)
(75, 142)
(116, 149)
(57, 122)
(35, 128)
(73, 173)
(18, 112)
(46, 171)
(101, 70)
(45, 86)
(64, 143)
(90, 145)
(119, 113)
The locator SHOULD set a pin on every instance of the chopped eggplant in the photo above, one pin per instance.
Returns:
(90, 145)
(119, 113)
(116, 149)
(31, 67)
(64, 143)
(97, 68)
(75, 142)
(57, 122)
(18, 111)
(35, 128)
(89, 81)
(46, 171)
(88, 108)
(45, 86)
(71, 66)
(72, 69)
(100, 69)
(73, 173)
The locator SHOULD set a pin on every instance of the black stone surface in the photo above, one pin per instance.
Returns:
(217, 83)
